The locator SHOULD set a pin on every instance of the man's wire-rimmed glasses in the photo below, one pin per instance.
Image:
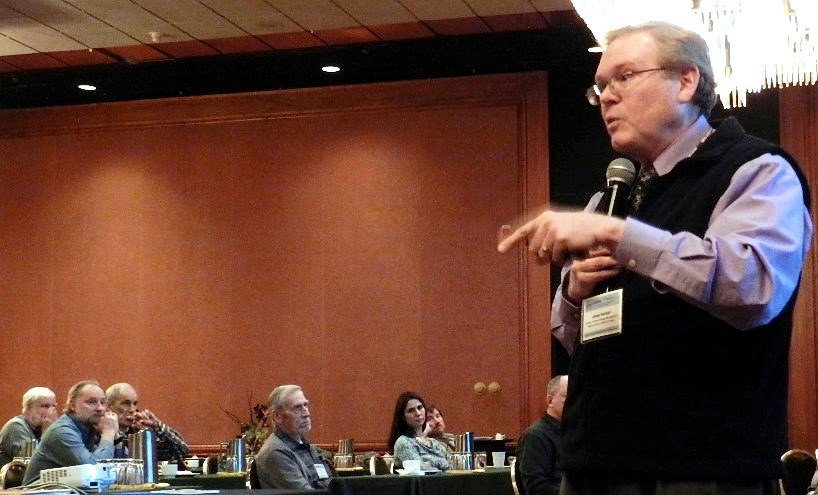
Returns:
(617, 84)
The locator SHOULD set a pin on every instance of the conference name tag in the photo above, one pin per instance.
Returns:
(321, 470)
(601, 316)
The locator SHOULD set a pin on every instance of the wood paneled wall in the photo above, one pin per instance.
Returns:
(799, 135)
(205, 249)
(343, 238)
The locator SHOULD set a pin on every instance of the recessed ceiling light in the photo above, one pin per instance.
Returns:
(330, 68)
(87, 87)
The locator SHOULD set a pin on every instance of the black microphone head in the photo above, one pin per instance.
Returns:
(621, 170)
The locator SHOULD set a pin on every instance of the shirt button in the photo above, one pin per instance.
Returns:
(632, 264)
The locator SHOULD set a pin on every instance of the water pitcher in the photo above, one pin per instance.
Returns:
(236, 461)
(142, 447)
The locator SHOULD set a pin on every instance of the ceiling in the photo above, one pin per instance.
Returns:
(181, 47)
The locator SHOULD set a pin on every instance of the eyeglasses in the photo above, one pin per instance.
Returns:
(617, 84)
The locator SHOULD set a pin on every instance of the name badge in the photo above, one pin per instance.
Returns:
(321, 470)
(601, 316)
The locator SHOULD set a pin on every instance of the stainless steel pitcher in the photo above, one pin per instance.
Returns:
(464, 442)
(462, 458)
(235, 460)
(142, 447)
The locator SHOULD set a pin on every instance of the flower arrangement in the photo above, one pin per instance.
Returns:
(256, 430)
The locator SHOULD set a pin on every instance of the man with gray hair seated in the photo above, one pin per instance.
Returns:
(123, 400)
(287, 459)
(39, 411)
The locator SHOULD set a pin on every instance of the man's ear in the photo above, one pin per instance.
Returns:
(689, 81)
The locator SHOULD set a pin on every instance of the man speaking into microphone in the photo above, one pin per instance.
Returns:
(678, 375)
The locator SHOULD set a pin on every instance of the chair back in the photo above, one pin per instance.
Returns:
(210, 465)
(378, 466)
(12, 474)
(799, 468)
(516, 481)
(254, 481)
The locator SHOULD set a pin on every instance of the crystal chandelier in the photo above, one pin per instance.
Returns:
(754, 44)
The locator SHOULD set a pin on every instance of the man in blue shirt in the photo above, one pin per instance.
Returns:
(678, 317)
(84, 434)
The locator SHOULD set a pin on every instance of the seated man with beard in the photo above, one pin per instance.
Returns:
(84, 434)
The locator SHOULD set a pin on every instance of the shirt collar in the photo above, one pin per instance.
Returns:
(84, 428)
(290, 441)
(88, 434)
(684, 146)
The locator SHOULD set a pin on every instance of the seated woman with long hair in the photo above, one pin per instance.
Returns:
(409, 435)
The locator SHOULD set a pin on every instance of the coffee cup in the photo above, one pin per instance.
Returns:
(498, 459)
(411, 465)
(168, 469)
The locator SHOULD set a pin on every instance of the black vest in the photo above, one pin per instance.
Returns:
(681, 394)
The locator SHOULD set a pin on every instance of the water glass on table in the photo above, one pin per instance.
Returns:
(342, 461)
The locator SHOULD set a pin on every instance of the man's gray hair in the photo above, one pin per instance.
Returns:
(114, 392)
(679, 48)
(75, 391)
(35, 393)
(554, 385)
(277, 397)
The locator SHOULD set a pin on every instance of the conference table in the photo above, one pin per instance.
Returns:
(492, 481)
(219, 481)
(198, 491)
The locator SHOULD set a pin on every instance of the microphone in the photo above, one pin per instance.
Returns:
(620, 176)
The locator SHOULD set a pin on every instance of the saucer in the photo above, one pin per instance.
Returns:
(404, 472)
